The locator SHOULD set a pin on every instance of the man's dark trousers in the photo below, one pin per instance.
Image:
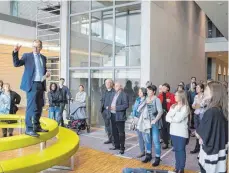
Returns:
(35, 103)
(107, 122)
(118, 132)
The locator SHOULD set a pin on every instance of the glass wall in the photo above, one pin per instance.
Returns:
(104, 43)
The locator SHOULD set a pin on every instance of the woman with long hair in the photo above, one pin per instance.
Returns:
(55, 98)
(213, 130)
(197, 113)
(178, 119)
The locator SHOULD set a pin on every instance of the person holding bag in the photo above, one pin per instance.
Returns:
(144, 124)
(142, 93)
(155, 112)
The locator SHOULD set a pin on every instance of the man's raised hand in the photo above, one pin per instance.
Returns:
(17, 48)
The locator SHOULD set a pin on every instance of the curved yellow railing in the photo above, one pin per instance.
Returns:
(20, 141)
(65, 147)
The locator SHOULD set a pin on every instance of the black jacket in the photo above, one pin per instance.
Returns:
(15, 99)
(106, 100)
(55, 98)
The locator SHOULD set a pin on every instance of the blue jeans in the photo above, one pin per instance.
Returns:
(179, 146)
(136, 170)
(141, 141)
(156, 140)
(54, 113)
(148, 142)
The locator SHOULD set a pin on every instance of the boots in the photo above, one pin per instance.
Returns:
(148, 158)
(141, 155)
(197, 148)
(156, 162)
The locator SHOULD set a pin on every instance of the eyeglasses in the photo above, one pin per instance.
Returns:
(36, 47)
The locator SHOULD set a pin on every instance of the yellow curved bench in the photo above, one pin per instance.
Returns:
(64, 148)
(21, 141)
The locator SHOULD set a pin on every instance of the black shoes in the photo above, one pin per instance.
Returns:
(114, 148)
(165, 146)
(108, 142)
(141, 155)
(178, 171)
(40, 130)
(4, 135)
(197, 148)
(148, 158)
(156, 162)
(121, 151)
(32, 133)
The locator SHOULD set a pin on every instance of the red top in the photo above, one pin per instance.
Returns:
(170, 96)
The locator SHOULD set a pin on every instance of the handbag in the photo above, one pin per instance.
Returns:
(154, 112)
(133, 125)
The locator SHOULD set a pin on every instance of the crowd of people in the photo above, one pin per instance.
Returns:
(159, 118)
(195, 110)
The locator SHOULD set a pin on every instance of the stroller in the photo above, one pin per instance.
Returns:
(77, 117)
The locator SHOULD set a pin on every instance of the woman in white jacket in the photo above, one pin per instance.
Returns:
(178, 119)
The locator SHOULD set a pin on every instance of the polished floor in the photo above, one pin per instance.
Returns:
(95, 157)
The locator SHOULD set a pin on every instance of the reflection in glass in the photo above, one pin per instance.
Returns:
(101, 4)
(101, 34)
(130, 79)
(79, 6)
(97, 87)
(79, 41)
(128, 35)
(123, 2)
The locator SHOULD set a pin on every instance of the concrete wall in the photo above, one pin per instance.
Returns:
(216, 44)
(176, 38)
(5, 7)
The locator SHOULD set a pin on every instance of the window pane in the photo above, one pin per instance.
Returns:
(123, 2)
(128, 36)
(79, 6)
(101, 4)
(79, 41)
(130, 80)
(101, 34)
(76, 78)
(97, 87)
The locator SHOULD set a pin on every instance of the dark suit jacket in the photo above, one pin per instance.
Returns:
(122, 105)
(15, 100)
(104, 95)
(187, 87)
(28, 61)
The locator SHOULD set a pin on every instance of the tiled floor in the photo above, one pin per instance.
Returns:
(94, 141)
(96, 138)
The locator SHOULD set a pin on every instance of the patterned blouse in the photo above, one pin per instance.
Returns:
(4, 103)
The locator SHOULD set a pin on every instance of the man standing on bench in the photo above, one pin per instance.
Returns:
(34, 84)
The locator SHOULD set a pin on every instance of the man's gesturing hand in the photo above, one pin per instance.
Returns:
(17, 48)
